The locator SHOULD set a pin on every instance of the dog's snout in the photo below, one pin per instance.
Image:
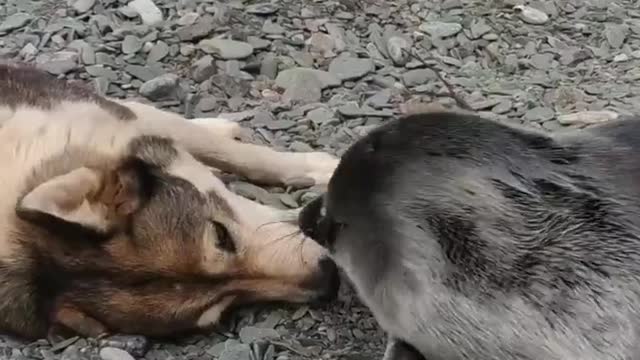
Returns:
(326, 282)
(309, 217)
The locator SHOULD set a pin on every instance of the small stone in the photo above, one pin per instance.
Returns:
(101, 71)
(250, 191)
(451, 4)
(110, 353)
(440, 29)
(188, 19)
(352, 110)
(542, 61)
(539, 114)
(418, 77)
(269, 66)
(587, 117)
(293, 76)
(322, 43)
(15, 21)
(160, 87)
(207, 103)
(58, 63)
(479, 27)
(621, 58)
(258, 43)
(502, 107)
(616, 34)
(135, 345)
(225, 48)
(131, 44)
(305, 88)
(81, 6)
(144, 73)
(350, 68)
(262, 9)
(320, 115)
(148, 11)
(158, 52)
(275, 125)
(271, 28)
(531, 15)
(200, 29)
(236, 352)
(397, 48)
(250, 334)
(203, 69)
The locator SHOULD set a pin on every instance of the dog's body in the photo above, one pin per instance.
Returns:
(111, 219)
(470, 239)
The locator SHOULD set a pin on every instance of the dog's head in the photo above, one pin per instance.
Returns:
(153, 243)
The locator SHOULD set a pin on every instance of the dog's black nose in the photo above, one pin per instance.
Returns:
(309, 218)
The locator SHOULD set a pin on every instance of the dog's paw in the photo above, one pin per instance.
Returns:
(223, 127)
(317, 169)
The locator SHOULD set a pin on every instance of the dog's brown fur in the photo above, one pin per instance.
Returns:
(111, 219)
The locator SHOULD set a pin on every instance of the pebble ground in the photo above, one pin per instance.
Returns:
(310, 74)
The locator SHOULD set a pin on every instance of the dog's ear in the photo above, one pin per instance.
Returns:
(89, 198)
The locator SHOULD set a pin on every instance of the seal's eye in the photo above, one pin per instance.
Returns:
(223, 238)
(328, 231)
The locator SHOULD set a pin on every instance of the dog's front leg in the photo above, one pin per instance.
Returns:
(211, 140)
(400, 350)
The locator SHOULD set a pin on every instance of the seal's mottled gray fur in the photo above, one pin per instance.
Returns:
(471, 239)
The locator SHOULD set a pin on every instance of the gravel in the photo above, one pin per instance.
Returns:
(307, 75)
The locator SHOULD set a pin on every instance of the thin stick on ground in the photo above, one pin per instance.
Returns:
(459, 100)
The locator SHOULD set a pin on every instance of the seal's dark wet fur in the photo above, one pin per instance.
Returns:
(471, 239)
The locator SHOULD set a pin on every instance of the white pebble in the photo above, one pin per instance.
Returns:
(531, 15)
(148, 11)
(111, 353)
(587, 117)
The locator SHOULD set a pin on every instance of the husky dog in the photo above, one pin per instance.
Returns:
(112, 220)
(473, 239)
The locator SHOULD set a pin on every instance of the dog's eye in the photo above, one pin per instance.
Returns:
(223, 238)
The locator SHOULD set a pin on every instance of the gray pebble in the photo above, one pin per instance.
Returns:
(531, 15)
(250, 334)
(616, 34)
(110, 353)
(15, 21)
(418, 77)
(271, 28)
(397, 48)
(321, 115)
(58, 63)
(82, 6)
(539, 113)
(159, 88)
(440, 29)
(264, 8)
(226, 48)
(144, 73)
(542, 61)
(158, 52)
(203, 69)
(148, 11)
(350, 68)
(479, 27)
(202, 27)
(131, 44)
(236, 352)
(297, 76)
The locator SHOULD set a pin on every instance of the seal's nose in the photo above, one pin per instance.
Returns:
(309, 218)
